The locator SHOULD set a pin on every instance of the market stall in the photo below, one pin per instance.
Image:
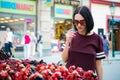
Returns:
(16, 69)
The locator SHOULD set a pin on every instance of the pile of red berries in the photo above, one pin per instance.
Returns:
(38, 70)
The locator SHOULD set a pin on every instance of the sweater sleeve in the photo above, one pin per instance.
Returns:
(100, 51)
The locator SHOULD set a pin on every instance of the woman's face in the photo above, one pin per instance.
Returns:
(8, 29)
(80, 23)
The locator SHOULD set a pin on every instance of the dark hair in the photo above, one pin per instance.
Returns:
(85, 12)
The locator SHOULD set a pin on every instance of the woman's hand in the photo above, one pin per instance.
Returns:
(69, 35)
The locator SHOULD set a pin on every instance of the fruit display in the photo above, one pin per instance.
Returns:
(13, 69)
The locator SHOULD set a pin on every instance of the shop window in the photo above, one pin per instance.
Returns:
(100, 31)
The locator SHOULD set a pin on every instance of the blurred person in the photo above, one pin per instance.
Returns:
(106, 46)
(0, 44)
(84, 48)
(39, 44)
(9, 38)
(33, 43)
(101, 35)
(62, 42)
(18, 41)
(26, 41)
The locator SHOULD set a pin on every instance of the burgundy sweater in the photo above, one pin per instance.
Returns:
(85, 50)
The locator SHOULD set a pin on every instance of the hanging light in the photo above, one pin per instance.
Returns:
(112, 9)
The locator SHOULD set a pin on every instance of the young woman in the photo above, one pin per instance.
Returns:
(27, 42)
(106, 47)
(84, 48)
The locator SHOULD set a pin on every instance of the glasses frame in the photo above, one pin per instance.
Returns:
(81, 22)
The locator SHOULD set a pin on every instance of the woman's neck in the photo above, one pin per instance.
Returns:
(84, 33)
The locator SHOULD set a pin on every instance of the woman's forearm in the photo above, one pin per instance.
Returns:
(65, 52)
(69, 35)
(99, 69)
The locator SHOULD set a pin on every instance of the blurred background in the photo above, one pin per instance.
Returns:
(54, 17)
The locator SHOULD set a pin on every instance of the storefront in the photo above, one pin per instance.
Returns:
(116, 31)
(103, 23)
(19, 16)
(62, 20)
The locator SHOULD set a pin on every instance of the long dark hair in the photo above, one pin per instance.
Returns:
(85, 12)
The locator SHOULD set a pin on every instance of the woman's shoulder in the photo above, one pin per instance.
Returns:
(96, 35)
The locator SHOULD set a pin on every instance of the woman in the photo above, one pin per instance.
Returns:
(106, 47)
(83, 48)
(26, 41)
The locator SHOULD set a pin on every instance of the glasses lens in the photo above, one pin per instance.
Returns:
(76, 22)
(82, 22)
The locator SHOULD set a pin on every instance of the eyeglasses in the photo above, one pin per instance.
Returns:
(76, 22)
